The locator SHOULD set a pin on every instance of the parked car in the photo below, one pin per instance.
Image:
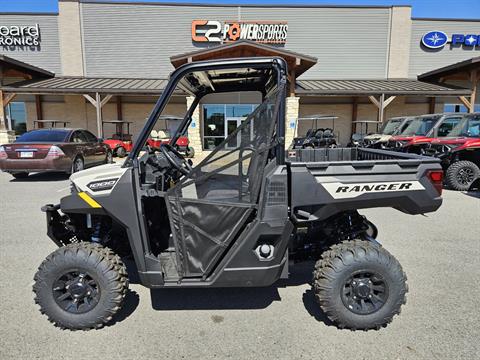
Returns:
(422, 130)
(59, 149)
(391, 127)
(460, 153)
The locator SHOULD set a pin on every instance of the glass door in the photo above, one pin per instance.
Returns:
(232, 123)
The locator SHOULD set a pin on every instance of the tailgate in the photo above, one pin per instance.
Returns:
(321, 189)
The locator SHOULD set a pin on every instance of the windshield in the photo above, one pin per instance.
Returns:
(469, 127)
(420, 126)
(390, 126)
(43, 135)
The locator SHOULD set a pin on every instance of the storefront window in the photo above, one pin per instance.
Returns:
(459, 108)
(17, 117)
(221, 120)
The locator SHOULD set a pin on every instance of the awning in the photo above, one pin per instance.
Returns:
(376, 87)
(83, 85)
(13, 68)
(458, 71)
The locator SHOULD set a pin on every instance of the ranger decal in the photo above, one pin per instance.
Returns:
(340, 190)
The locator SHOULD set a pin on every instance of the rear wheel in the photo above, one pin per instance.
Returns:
(77, 165)
(461, 175)
(121, 152)
(20, 175)
(81, 286)
(359, 285)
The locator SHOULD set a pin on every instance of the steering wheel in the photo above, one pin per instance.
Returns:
(175, 158)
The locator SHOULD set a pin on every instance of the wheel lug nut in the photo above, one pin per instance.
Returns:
(354, 283)
(370, 295)
(354, 297)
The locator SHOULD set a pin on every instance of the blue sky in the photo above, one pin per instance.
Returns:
(465, 9)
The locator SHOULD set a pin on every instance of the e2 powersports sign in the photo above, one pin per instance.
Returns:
(19, 35)
(438, 39)
(268, 32)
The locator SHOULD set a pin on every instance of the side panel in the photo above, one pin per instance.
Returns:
(321, 189)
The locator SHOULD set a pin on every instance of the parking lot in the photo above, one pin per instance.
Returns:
(440, 253)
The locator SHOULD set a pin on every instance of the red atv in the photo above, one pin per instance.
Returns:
(162, 136)
(460, 153)
(422, 131)
(121, 141)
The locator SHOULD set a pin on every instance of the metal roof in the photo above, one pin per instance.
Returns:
(6, 62)
(375, 87)
(453, 69)
(82, 85)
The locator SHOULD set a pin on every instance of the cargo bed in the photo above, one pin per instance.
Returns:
(326, 181)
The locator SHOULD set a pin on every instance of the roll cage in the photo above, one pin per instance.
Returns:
(254, 74)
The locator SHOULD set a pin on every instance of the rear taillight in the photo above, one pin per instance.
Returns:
(436, 178)
(3, 154)
(55, 151)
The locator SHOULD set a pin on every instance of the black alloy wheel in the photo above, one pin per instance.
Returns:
(76, 292)
(461, 175)
(364, 293)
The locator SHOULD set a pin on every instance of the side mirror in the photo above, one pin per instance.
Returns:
(100, 140)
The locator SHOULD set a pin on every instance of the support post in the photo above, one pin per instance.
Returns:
(354, 112)
(381, 104)
(474, 79)
(98, 102)
(431, 105)
(119, 108)
(98, 107)
(3, 123)
(39, 108)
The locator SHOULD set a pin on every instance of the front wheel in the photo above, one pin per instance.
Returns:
(359, 285)
(109, 158)
(190, 152)
(461, 175)
(81, 286)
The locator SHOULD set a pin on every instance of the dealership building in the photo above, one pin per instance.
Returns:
(106, 60)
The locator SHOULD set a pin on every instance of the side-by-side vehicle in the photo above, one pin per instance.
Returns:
(243, 216)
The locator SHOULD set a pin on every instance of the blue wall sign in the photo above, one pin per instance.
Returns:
(438, 39)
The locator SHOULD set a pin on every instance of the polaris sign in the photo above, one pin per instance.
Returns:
(438, 39)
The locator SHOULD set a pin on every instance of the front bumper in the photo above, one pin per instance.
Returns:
(57, 228)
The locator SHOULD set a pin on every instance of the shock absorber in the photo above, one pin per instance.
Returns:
(97, 222)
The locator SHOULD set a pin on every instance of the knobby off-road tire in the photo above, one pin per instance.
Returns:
(75, 270)
(380, 285)
(461, 175)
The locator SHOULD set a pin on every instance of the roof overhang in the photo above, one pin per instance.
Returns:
(395, 87)
(66, 85)
(244, 48)
(458, 71)
(13, 68)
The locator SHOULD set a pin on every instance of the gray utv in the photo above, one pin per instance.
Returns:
(241, 217)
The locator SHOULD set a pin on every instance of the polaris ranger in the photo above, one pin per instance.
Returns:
(236, 218)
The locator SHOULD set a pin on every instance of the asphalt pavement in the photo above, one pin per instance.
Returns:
(440, 253)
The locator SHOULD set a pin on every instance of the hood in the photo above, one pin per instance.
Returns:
(99, 180)
(421, 140)
(454, 140)
(378, 137)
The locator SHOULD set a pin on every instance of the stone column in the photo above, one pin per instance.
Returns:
(291, 119)
(400, 38)
(71, 53)
(194, 127)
